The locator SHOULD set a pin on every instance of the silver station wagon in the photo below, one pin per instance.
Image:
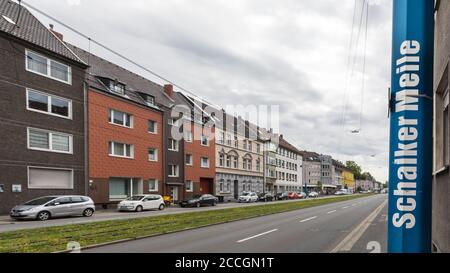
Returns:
(47, 207)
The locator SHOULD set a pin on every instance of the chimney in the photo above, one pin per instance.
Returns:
(57, 34)
(168, 89)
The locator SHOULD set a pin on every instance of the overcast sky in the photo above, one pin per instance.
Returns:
(291, 53)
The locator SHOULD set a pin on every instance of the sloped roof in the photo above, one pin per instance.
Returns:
(285, 144)
(30, 29)
(135, 85)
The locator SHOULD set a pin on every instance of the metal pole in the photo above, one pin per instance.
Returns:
(410, 172)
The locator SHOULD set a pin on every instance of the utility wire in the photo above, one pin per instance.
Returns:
(117, 53)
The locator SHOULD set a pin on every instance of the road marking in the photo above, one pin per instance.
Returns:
(330, 212)
(353, 205)
(257, 235)
(308, 219)
(346, 207)
(353, 237)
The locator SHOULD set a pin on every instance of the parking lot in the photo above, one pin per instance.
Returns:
(8, 224)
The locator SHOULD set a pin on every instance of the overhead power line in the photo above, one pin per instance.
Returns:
(117, 53)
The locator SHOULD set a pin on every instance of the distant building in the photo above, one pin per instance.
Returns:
(289, 167)
(311, 171)
(348, 180)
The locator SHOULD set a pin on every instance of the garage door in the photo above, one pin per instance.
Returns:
(43, 178)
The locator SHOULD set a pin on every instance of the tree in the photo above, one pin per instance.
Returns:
(355, 168)
(319, 186)
(367, 176)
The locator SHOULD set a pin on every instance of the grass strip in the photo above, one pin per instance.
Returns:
(51, 239)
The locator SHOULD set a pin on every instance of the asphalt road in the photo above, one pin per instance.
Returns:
(8, 224)
(317, 229)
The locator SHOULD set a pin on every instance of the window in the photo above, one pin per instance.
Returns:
(173, 145)
(229, 140)
(249, 145)
(44, 66)
(189, 186)
(121, 150)
(150, 100)
(235, 162)
(189, 160)
(249, 186)
(152, 127)
(228, 161)
(49, 141)
(117, 87)
(188, 136)
(243, 186)
(236, 142)
(152, 154)
(258, 148)
(152, 185)
(47, 178)
(173, 171)
(245, 144)
(205, 141)
(48, 104)
(120, 118)
(228, 186)
(205, 162)
(221, 186)
(258, 165)
(221, 159)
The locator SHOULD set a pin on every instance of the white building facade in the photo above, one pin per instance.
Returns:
(289, 168)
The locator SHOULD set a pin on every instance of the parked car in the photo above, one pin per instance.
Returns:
(302, 195)
(248, 197)
(339, 193)
(200, 200)
(293, 195)
(44, 208)
(142, 202)
(282, 196)
(265, 197)
(313, 194)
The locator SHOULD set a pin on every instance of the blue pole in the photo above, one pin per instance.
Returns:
(411, 146)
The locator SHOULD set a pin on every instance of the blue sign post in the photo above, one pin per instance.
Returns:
(411, 146)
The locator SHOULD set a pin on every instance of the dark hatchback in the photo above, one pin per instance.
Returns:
(265, 197)
(200, 200)
(282, 196)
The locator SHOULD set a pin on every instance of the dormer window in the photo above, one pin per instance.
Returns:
(117, 87)
(150, 100)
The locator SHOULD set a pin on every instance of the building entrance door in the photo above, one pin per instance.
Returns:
(236, 189)
(174, 194)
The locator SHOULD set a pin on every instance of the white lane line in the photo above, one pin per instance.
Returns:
(350, 240)
(330, 212)
(346, 207)
(354, 204)
(308, 219)
(257, 235)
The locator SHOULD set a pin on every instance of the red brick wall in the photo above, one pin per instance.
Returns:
(194, 173)
(101, 165)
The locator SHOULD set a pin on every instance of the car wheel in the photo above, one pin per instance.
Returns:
(197, 205)
(88, 212)
(214, 203)
(161, 207)
(138, 208)
(43, 216)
